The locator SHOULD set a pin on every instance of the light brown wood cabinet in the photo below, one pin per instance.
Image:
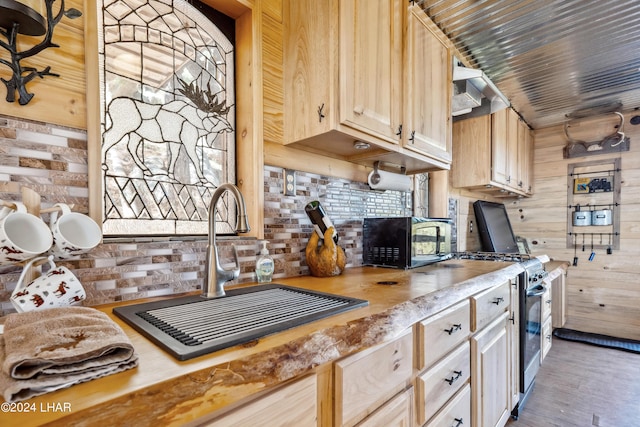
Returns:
(351, 73)
(293, 405)
(487, 305)
(559, 297)
(514, 346)
(443, 363)
(427, 88)
(441, 382)
(493, 153)
(490, 374)
(398, 412)
(546, 331)
(456, 413)
(490, 356)
(366, 380)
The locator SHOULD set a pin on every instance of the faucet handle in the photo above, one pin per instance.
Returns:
(236, 270)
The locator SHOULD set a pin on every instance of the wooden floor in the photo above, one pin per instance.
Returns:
(583, 385)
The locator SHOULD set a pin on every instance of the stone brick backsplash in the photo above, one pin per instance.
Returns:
(53, 161)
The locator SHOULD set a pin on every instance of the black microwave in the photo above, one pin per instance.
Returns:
(406, 242)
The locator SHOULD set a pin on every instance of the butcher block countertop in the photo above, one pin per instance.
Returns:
(165, 391)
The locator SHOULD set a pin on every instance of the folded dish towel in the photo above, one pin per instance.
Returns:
(46, 350)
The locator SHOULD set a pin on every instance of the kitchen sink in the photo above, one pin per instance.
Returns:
(191, 326)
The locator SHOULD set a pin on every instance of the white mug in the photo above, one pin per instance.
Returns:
(73, 233)
(58, 287)
(22, 235)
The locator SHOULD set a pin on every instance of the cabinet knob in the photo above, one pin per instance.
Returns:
(358, 109)
(455, 327)
(497, 300)
(451, 380)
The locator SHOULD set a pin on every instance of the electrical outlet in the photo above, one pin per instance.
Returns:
(289, 186)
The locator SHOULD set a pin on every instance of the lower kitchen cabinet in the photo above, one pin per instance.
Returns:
(366, 380)
(293, 405)
(491, 372)
(441, 382)
(557, 278)
(456, 413)
(514, 346)
(442, 360)
(547, 330)
(398, 412)
(490, 375)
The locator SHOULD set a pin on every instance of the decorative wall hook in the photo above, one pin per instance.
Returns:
(17, 17)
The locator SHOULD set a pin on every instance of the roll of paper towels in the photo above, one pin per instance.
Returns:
(383, 180)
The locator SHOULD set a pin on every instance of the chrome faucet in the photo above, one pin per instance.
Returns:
(215, 275)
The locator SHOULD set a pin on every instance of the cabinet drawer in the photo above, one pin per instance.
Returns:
(365, 380)
(488, 305)
(441, 333)
(546, 301)
(290, 405)
(398, 412)
(457, 412)
(546, 338)
(438, 384)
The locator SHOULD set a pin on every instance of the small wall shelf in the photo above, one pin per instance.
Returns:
(594, 186)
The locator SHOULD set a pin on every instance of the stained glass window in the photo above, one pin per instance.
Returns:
(168, 118)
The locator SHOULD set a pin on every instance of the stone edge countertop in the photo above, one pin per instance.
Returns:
(165, 391)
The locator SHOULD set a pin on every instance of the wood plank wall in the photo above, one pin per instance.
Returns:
(603, 294)
(58, 100)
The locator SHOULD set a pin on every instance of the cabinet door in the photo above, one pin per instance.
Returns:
(292, 405)
(490, 375)
(398, 412)
(471, 165)
(371, 66)
(427, 94)
(514, 347)
(308, 68)
(525, 158)
(547, 337)
(500, 147)
(513, 142)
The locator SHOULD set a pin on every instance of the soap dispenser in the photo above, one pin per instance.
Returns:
(264, 265)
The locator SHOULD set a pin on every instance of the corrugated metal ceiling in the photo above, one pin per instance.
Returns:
(551, 58)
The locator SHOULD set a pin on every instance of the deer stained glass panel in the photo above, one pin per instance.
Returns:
(168, 118)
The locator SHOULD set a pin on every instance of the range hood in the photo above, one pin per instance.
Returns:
(474, 94)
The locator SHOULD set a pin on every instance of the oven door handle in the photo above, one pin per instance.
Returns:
(536, 291)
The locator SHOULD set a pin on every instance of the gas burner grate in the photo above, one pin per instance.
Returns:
(492, 256)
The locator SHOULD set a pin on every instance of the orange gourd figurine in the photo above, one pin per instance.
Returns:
(326, 259)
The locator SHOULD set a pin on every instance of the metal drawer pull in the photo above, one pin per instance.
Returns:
(459, 420)
(498, 300)
(455, 327)
(452, 379)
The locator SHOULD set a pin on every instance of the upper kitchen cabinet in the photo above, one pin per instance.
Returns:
(493, 153)
(366, 71)
(370, 72)
(427, 96)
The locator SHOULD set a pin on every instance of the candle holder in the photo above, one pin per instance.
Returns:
(24, 17)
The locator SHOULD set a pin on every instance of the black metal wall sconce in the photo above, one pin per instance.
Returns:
(21, 17)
